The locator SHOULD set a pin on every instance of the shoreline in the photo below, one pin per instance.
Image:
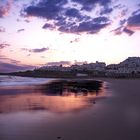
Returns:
(70, 76)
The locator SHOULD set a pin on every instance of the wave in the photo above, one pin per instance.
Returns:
(17, 80)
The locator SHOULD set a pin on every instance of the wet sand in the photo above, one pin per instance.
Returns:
(113, 117)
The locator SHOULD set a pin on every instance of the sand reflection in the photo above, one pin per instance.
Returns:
(57, 96)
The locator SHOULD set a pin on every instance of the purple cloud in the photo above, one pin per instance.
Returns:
(48, 26)
(4, 45)
(121, 30)
(38, 50)
(2, 29)
(70, 19)
(8, 60)
(134, 20)
(128, 31)
(106, 10)
(117, 31)
(10, 67)
(88, 5)
(4, 9)
(45, 8)
(136, 12)
(20, 30)
(90, 27)
(59, 63)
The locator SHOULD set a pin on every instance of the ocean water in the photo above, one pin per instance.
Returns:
(17, 80)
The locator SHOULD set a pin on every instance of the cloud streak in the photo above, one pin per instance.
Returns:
(20, 30)
(37, 50)
(65, 63)
(4, 45)
(123, 29)
(10, 67)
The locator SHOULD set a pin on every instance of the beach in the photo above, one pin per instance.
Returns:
(110, 113)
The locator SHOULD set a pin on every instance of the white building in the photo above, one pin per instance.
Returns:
(99, 66)
(130, 65)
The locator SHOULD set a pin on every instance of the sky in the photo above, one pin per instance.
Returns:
(34, 33)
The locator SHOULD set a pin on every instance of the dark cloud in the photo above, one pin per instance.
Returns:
(73, 13)
(106, 10)
(93, 26)
(70, 19)
(49, 9)
(10, 67)
(122, 22)
(121, 30)
(136, 12)
(42, 12)
(118, 31)
(134, 20)
(119, 6)
(20, 30)
(4, 45)
(101, 19)
(59, 63)
(38, 50)
(128, 31)
(2, 29)
(90, 27)
(130, 25)
(90, 4)
(87, 27)
(48, 26)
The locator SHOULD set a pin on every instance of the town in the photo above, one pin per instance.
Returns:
(129, 68)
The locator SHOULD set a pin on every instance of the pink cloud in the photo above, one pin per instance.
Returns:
(5, 9)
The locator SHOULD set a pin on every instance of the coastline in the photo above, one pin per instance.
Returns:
(70, 75)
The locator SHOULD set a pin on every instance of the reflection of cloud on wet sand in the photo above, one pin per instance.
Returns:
(42, 102)
(37, 100)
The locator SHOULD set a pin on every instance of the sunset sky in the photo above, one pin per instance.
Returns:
(39, 32)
